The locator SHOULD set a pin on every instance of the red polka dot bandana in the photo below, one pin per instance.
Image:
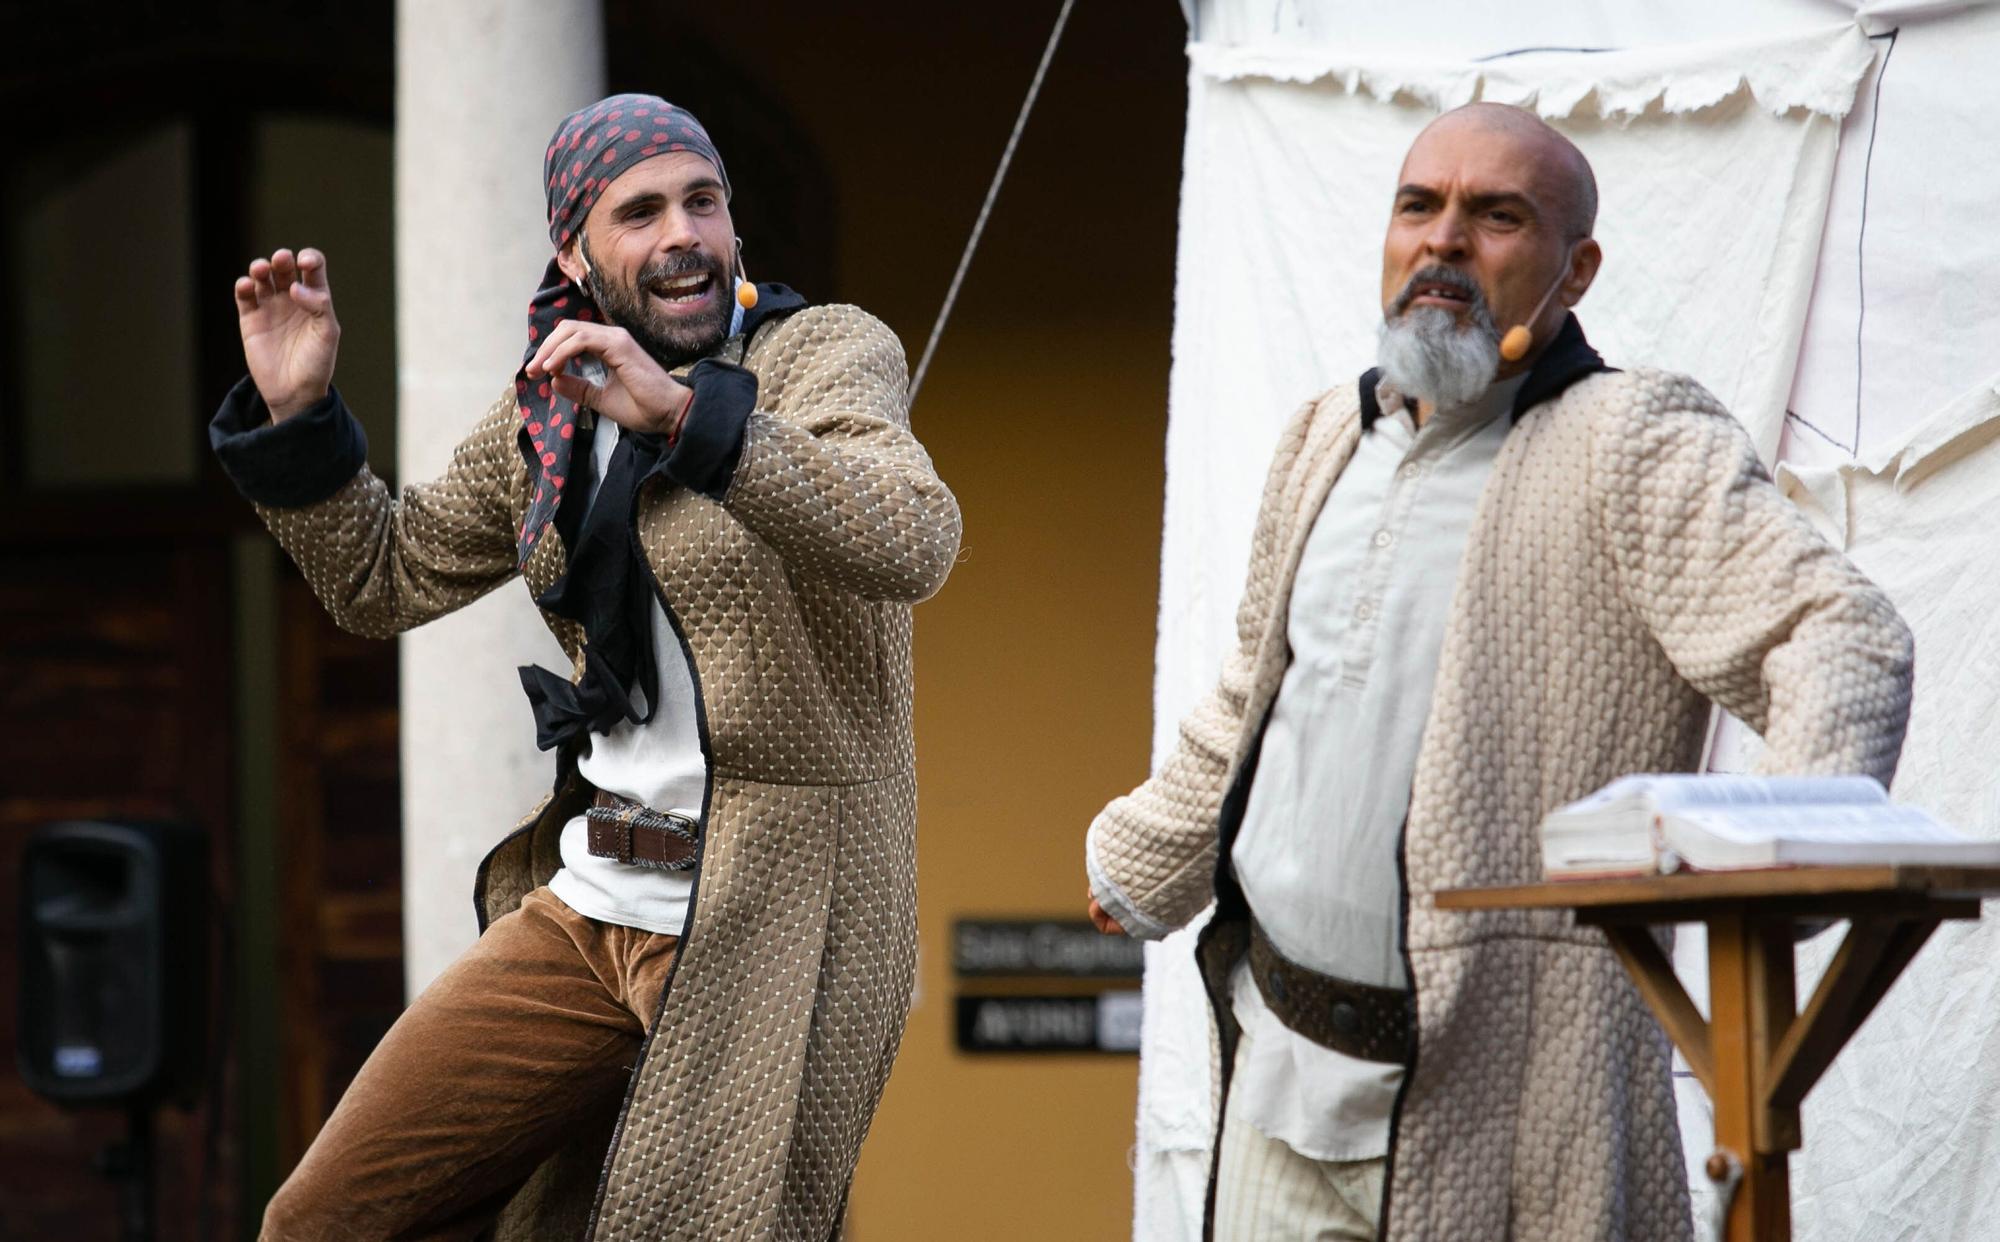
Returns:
(591, 148)
(594, 145)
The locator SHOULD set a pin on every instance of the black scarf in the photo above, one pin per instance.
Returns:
(606, 584)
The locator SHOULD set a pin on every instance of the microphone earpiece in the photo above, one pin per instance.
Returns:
(1521, 338)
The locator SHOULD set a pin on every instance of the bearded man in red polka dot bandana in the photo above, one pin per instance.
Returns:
(697, 953)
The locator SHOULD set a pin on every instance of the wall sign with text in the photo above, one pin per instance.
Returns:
(1045, 985)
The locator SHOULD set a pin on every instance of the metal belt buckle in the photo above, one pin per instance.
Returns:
(639, 836)
(674, 825)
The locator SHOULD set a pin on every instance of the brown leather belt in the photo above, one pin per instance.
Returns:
(1361, 1020)
(622, 829)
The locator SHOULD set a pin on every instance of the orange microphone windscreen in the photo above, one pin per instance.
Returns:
(1514, 346)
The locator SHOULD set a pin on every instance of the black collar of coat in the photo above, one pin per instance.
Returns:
(1567, 359)
(773, 301)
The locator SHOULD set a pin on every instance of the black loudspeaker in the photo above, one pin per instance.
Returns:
(114, 963)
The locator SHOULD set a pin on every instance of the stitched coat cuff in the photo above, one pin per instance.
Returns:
(1136, 922)
(704, 458)
(288, 465)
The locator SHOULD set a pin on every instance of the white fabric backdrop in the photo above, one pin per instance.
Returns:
(1456, 29)
(1904, 316)
(1715, 162)
(1920, 171)
(1903, 1132)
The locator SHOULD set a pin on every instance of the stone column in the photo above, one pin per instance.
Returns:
(480, 86)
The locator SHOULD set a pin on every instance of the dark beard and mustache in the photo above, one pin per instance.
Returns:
(671, 342)
(1428, 354)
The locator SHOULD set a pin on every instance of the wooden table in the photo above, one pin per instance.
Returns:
(1757, 1054)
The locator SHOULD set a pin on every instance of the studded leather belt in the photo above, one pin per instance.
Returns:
(1361, 1020)
(622, 829)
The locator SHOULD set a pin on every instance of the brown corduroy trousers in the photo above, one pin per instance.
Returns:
(526, 1038)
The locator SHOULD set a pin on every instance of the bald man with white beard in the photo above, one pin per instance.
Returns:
(1488, 579)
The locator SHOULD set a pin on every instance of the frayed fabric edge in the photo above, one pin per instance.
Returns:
(1961, 427)
(1816, 72)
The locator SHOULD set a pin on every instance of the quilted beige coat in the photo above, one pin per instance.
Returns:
(1629, 562)
(783, 1014)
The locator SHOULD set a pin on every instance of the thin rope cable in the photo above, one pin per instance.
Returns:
(992, 193)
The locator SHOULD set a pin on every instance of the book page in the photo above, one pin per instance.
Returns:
(1826, 824)
(1682, 791)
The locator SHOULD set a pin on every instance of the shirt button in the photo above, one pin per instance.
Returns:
(1363, 610)
(1383, 539)
(1407, 473)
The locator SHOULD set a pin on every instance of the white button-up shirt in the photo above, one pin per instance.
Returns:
(1316, 853)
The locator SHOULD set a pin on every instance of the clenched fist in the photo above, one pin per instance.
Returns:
(284, 308)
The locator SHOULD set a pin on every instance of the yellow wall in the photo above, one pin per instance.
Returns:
(1034, 672)
(1046, 413)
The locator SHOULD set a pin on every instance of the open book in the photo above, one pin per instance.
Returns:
(1642, 824)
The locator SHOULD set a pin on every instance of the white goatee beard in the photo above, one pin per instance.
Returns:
(1427, 355)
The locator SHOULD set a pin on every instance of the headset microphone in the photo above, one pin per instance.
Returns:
(1521, 338)
(746, 293)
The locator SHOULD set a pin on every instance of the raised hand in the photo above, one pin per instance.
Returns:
(637, 394)
(284, 308)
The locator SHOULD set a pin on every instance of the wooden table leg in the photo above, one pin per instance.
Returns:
(1751, 1003)
(1861, 973)
(1653, 974)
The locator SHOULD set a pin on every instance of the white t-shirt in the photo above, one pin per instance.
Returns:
(658, 764)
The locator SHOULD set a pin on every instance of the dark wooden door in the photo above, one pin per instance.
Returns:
(340, 943)
(115, 703)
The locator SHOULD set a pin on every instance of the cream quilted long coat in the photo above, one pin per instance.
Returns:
(1630, 561)
(783, 1014)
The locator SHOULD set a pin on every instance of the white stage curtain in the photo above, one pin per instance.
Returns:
(1462, 30)
(1904, 314)
(1714, 163)
(1901, 1134)
(1906, 311)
